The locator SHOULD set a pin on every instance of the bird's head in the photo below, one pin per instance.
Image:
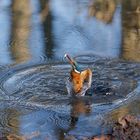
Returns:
(73, 63)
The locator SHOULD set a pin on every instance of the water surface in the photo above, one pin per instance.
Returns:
(34, 37)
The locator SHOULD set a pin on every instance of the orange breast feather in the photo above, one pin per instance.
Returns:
(78, 79)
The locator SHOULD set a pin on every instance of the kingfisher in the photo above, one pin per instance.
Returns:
(79, 80)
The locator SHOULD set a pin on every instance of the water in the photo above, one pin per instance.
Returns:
(36, 34)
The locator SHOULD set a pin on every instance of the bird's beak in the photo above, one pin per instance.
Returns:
(71, 61)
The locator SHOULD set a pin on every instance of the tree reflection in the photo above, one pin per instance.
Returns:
(46, 17)
(10, 122)
(103, 10)
(131, 30)
(20, 30)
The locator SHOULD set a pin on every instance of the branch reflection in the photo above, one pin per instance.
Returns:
(131, 30)
(103, 10)
(46, 17)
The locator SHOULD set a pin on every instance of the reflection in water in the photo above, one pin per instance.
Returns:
(79, 107)
(119, 113)
(20, 30)
(5, 32)
(131, 30)
(71, 26)
(64, 29)
(75, 33)
(52, 125)
(103, 10)
(76, 27)
(46, 17)
(132, 108)
(44, 9)
(10, 122)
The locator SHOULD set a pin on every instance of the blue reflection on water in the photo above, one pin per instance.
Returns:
(36, 42)
(5, 28)
(75, 32)
(47, 123)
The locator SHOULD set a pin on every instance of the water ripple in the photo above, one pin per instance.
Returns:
(41, 89)
(45, 84)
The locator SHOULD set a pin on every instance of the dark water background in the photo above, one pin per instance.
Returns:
(34, 36)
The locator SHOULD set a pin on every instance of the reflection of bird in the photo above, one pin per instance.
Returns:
(80, 81)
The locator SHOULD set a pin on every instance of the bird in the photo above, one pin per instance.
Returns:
(79, 80)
